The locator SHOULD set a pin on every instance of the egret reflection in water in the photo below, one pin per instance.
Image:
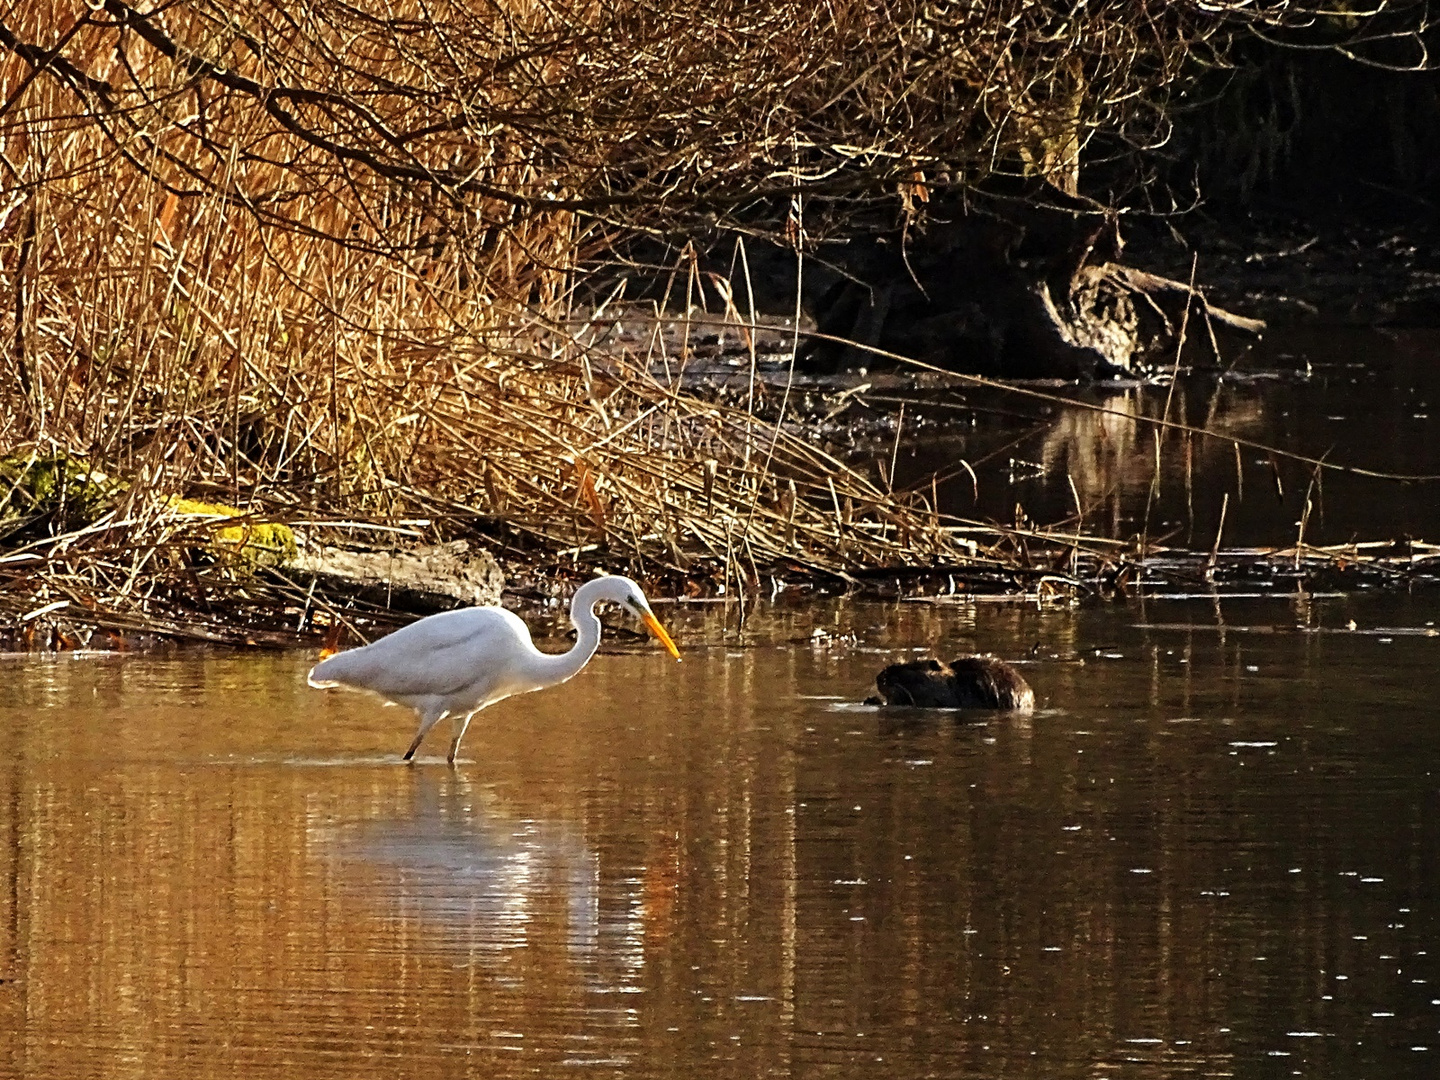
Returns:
(481, 885)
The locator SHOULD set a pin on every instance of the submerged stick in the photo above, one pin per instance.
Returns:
(1219, 532)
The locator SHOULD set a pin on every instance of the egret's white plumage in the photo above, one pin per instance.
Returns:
(458, 662)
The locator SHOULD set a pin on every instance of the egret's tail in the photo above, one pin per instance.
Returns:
(330, 672)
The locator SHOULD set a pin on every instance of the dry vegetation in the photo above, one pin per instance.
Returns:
(314, 261)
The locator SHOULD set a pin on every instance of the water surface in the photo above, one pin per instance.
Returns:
(1211, 852)
(1355, 397)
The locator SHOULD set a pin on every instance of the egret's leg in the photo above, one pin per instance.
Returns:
(428, 720)
(461, 723)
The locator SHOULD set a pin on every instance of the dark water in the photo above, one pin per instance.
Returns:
(1352, 397)
(1212, 852)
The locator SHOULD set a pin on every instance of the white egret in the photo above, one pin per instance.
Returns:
(457, 662)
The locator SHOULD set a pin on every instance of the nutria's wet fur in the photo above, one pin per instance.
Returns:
(969, 682)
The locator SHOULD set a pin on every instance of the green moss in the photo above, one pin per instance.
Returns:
(250, 544)
(67, 487)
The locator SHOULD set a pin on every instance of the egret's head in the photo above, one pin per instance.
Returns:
(630, 597)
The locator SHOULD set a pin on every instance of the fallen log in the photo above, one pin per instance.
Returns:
(985, 296)
(420, 580)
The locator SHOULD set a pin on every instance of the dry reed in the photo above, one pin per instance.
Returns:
(314, 261)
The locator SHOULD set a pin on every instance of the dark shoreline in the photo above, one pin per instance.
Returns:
(265, 619)
(1292, 272)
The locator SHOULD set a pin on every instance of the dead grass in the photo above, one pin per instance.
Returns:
(313, 262)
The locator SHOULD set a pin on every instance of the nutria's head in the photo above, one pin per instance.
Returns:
(909, 684)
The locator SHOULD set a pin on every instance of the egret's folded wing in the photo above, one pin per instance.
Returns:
(441, 655)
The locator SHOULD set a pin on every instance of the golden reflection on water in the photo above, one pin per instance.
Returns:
(208, 869)
(1366, 402)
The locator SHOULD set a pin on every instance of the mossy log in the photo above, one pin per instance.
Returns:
(246, 543)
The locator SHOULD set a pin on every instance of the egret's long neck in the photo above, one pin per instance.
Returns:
(558, 668)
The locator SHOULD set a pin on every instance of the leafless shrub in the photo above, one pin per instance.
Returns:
(318, 255)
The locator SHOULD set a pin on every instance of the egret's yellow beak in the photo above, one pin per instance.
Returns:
(653, 625)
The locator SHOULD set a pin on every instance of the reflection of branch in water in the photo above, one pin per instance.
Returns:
(480, 885)
(1071, 403)
(1105, 452)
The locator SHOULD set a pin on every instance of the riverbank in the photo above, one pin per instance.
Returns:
(694, 455)
(1095, 516)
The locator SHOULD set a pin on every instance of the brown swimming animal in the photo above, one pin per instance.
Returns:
(970, 682)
